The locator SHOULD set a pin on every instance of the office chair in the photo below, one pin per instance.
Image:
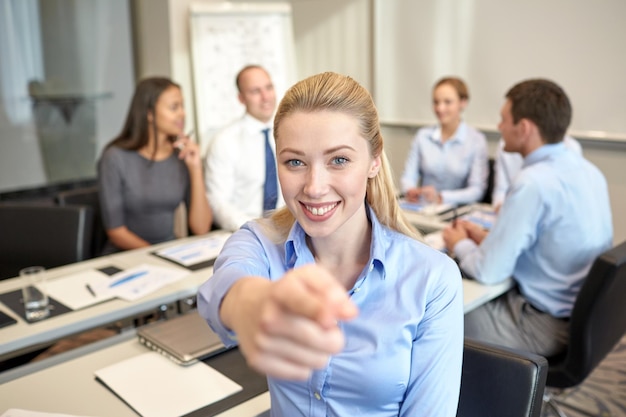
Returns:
(42, 235)
(87, 196)
(597, 323)
(500, 382)
(490, 181)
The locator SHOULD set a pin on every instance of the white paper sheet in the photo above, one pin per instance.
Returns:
(72, 290)
(154, 386)
(435, 240)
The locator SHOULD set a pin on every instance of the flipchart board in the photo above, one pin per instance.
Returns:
(224, 38)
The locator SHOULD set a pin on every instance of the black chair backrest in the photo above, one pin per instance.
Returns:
(47, 235)
(87, 196)
(501, 382)
(598, 320)
(490, 181)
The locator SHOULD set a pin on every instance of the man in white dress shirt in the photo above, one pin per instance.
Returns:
(235, 163)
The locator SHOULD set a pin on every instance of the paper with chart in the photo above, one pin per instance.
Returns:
(197, 251)
(134, 283)
(484, 217)
(429, 209)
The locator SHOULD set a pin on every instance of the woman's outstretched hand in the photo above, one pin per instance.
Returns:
(288, 328)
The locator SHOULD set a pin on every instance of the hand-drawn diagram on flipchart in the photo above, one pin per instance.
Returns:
(225, 39)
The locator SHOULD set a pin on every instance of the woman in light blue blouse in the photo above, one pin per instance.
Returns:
(334, 298)
(447, 163)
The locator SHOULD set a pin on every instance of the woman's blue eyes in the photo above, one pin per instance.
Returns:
(294, 163)
(338, 160)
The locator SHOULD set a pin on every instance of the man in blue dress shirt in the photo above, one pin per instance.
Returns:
(554, 222)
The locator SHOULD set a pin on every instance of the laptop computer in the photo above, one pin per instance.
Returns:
(184, 339)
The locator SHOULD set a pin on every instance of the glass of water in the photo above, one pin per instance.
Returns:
(34, 293)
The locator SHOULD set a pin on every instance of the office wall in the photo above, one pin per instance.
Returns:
(338, 35)
(493, 44)
(330, 35)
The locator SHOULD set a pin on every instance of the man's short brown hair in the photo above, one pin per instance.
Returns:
(545, 104)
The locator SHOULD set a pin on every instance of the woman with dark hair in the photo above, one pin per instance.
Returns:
(149, 169)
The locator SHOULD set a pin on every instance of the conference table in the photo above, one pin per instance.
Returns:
(65, 383)
(23, 337)
(69, 386)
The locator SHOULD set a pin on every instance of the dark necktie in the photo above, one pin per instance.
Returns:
(270, 189)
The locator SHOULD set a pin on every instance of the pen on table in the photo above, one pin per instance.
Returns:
(128, 278)
(91, 291)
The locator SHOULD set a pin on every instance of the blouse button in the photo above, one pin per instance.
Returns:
(317, 396)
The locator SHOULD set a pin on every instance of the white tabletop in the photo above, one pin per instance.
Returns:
(23, 336)
(69, 387)
(476, 294)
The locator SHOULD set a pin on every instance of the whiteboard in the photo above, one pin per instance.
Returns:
(493, 44)
(224, 38)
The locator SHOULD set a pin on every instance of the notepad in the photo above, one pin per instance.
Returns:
(154, 386)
